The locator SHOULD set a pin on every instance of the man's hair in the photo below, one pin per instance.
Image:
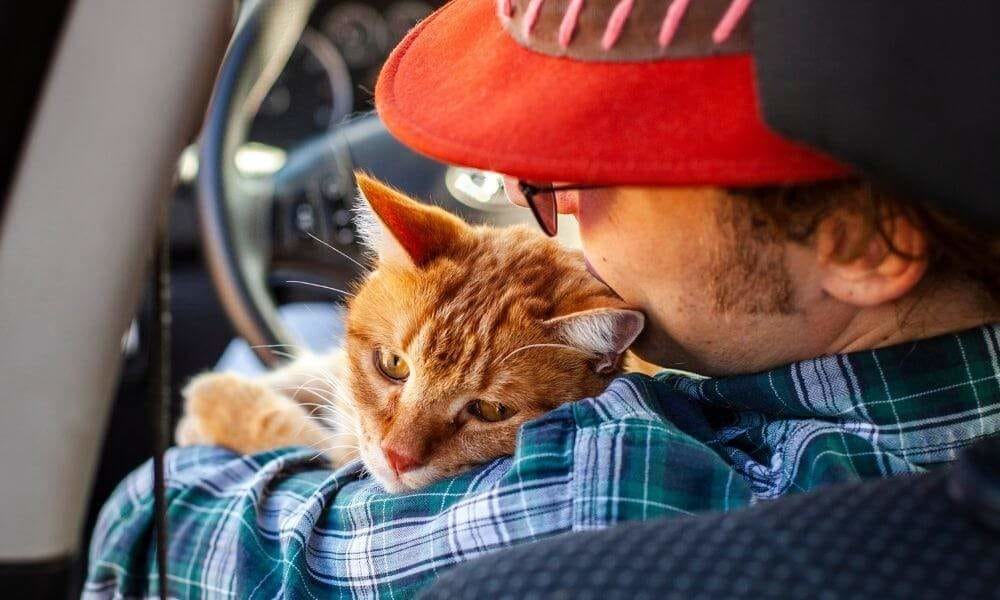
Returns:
(956, 250)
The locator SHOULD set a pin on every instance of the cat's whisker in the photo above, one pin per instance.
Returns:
(325, 287)
(333, 384)
(341, 424)
(307, 392)
(530, 346)
(333, 408)
(296, 350)
(301, 428)
(308, 381)
(337, 446)
(330, 448)
(320, 378)
(335, 411)
(330, 434)
(332, 415)
(254, 347)
(338, 397)
(345, 255)
(325, 377)
(317, 408)
(334, 437)
(325, 402)
(330, 380)
(341, 427)
(305, 386)
(340, 420)
(332, 398)
(314, 405)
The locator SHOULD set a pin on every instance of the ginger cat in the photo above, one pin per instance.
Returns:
(457, 336)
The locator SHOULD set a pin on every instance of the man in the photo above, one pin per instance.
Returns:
(792, 272)
(850, 334)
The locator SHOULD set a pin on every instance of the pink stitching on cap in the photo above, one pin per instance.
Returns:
(672, 21)
(569, 22)
(506, 9)
(531, 17)
(730, 20)
(616, 23)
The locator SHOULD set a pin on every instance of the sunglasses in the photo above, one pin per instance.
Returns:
(541, 199)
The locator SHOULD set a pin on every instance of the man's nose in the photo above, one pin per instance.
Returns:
(400, 461)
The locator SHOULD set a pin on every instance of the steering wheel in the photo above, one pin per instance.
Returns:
(298, 219)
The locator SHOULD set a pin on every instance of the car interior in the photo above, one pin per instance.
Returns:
(233, 130)
(258, 192)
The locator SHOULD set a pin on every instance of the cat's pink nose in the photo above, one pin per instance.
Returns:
(399, 461)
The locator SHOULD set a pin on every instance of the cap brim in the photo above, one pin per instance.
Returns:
(460, 89)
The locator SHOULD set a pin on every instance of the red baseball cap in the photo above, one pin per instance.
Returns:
(654, 92)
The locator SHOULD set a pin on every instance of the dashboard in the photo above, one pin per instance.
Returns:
(332, 71)
(329, 77)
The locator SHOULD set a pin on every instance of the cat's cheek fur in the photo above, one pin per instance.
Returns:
(377, 466)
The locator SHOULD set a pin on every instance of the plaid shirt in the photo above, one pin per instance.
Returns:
(279, 524)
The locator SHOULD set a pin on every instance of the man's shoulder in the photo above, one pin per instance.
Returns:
(589, 464)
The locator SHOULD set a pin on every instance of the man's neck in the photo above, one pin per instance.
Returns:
(933, 311)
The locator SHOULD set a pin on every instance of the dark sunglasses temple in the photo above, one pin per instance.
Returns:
(549, 223)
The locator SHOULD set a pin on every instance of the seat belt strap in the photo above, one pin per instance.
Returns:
(159, 391)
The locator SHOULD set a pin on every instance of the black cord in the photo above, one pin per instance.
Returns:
(159, 392)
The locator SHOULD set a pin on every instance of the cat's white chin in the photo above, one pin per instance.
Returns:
(407, 482)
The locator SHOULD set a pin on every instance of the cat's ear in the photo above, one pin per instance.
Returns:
(605, 332)
(400, 230)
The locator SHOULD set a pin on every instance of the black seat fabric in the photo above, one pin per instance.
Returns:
(895, 538)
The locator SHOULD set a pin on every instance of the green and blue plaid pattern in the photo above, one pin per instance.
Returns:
(278, 524)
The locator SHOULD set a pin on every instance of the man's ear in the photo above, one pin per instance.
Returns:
(880, 268)
(402, 231)
(604, 332)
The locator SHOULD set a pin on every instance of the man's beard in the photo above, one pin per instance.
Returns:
(749, 274)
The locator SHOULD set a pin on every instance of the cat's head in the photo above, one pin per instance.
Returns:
(460, 334)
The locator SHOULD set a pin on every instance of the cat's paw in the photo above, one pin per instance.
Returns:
(224, 409)
(242, 414)
(187, 433)
(218, 395)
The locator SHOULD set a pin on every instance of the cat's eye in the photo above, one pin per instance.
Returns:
(391, 364)
(491, 412)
